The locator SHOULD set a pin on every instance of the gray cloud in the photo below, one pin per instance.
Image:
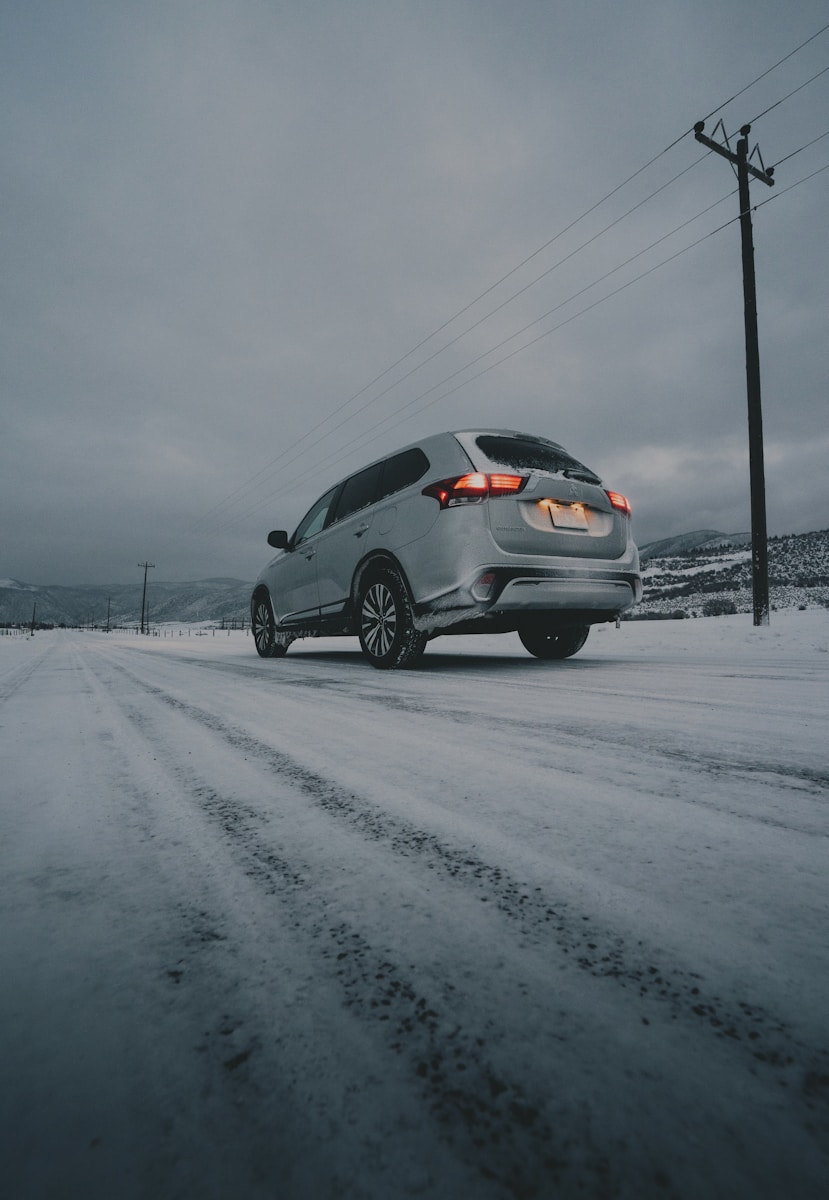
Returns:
(222, 220)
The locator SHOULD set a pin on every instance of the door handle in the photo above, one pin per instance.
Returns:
(361, 529)
(309, 554)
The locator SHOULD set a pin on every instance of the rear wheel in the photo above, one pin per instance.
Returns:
(553, 643)
(264, 628)
(388, 636)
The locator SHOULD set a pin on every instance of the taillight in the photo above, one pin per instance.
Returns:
(619, 502)
(474, 488)
(505, 485)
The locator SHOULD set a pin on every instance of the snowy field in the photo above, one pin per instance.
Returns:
(487, 928)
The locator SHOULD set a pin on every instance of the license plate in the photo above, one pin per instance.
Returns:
(568, 516)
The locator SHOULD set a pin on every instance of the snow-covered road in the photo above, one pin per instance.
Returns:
(487, 928)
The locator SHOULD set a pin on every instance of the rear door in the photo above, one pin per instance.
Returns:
(341, 546)
(402, 514)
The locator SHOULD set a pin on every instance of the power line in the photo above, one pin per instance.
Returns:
(268, 467)
(537, 279)
(783, 99)
(548, 332)
(258, 477)
(398, 362)
(267, 471)
(798, 151)
(575, 316)
(628, 283)
(779, 63)
(792, 186)
(342, 452)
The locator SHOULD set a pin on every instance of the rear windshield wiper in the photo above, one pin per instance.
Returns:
(582, 474)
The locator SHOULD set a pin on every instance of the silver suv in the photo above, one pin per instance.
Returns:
(487, 531)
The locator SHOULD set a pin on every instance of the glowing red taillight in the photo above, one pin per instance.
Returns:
(619, 502)
(473, 488)
(471, 485)
(505, 485)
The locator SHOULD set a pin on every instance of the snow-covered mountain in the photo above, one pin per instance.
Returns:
(217, 600)
(710, 573)
(682, 543)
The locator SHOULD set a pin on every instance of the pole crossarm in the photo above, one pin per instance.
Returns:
(763, 176)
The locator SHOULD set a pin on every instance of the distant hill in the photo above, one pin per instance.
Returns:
(214, 600)
(706, 573)
(708, 539)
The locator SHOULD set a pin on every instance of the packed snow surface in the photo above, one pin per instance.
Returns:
(487, 928)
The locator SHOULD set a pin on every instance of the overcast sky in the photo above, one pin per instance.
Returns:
(223, 219)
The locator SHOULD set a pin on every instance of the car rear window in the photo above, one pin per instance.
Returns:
(532, 454)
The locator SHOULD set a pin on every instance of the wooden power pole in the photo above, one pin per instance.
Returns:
(759, 536)
(146, 566)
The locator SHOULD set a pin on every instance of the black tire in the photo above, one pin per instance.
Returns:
(548, 643)
(263, 626)
(388, 636)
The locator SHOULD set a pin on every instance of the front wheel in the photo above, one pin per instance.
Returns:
(388, 636)
(553, 643)
(264, 629)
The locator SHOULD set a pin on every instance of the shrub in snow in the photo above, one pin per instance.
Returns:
(719, 608)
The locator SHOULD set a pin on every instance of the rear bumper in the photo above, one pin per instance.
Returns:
(615, 595)
(603, 594)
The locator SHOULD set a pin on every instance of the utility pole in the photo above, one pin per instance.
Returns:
(759, 537)
(146, 566)
(109, 609)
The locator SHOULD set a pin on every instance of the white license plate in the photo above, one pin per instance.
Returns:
(568, 516)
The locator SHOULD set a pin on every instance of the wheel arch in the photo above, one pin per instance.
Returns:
(384, 617)
(279, 640)
(374, 560)
(260, 592)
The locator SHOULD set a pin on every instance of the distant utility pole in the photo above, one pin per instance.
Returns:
(109, 609)
(146, 566)
(759, 537)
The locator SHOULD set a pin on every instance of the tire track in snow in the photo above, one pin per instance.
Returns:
(495, 1124)
(793, 777)
(210, 962)
(618, 735)
(764, 1039)
(18, 675)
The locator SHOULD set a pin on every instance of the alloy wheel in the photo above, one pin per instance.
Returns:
(379, 619)
(263, 627)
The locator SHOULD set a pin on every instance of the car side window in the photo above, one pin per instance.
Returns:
(314, 520)
(401, 470)
(358, 491)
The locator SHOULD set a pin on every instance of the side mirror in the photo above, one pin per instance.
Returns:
(278, 538)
